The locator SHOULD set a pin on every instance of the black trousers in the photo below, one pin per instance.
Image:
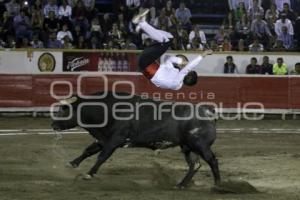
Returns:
(152, 53)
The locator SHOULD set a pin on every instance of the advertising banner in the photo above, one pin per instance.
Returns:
(99, 61)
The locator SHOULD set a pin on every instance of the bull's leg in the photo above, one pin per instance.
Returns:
(194, 166)
(106, 152)
(89, 151)
(209, 157)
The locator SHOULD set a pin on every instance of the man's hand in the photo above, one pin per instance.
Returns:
(207, 52)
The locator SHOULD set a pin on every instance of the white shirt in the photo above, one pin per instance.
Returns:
(65, 12)
(201, 34)
(279, 25)
(62, 34)
(279, 3)
(169, 77)
(135, 3)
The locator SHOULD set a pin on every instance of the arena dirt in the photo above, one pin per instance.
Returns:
(34, 167)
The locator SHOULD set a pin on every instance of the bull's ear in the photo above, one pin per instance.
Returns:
(68, 101)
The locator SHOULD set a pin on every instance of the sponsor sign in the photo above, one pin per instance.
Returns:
(99, 61)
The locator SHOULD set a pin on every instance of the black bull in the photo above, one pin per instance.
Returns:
(150, 124)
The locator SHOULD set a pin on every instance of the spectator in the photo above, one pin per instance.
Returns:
(271, 16)
(183, 16)
(65, 11)
(106, 23)
(37, 21)
(226, 46)
(66, 43)
(233, 4)
(286, 38)
(266, 67)
(81, 43)
(116, 35)
(213, 45)
(296, 71)
(79, 16)
(241, 45)
(133, 7)
(22, 25)
(37, 6)
(253, 67)
(229, 66)
(77, 32)
(280, 68)
(219, 37)
(24, 43)
(256, 46)
(183, 38)
(96, 30)
(13, 8)
(94, 43)
(197, 33)
(283, 22)
(242, 28)
(64, 32)
(280, 4)
(53, 42)
(36, 43)
(260, 29)
(89, 4)
(289, 13)
(6, 26)
(240, 12)
(51, 24)
(122, 24)
(152, 16)
(129, 45)
(278, 46)
(229, 22)
(162, 20)
(168, 9)
(255, 10)
(297, 31)
(51, 6)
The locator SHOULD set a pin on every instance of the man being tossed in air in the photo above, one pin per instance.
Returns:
(174, 71)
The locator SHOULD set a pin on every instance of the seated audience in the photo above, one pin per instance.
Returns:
(253, 67)
(266, 67)
(288, 12)
(255, 10)
(256, 46)
(283, 21)
(229, 66)
(198, 34)
(286, 38)
(51, 7)
(64, 32)
(280, 68)
(53, 42)
(296, 71)
(183, 15)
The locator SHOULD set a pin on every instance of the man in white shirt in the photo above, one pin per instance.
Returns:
(280, 3)
(283, 21)
(197, 33)
(173, 72)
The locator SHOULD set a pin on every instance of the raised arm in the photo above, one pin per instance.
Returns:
(194, 63)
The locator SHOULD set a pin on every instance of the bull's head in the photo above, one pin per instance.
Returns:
(66, 116)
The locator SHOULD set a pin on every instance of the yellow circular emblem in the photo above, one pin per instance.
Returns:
(46, 62)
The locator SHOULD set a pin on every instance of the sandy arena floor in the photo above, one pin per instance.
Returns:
(33, 167)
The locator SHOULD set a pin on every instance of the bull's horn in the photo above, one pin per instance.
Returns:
(68, 101)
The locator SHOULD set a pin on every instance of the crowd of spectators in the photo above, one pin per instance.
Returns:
(249, 26)
(265, 68)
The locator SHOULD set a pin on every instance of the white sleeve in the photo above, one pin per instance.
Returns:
(194, 63)
(173, 60)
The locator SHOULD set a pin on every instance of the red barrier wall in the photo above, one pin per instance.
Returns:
(273, 92)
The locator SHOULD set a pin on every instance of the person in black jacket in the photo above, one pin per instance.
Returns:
(229, 66)
(266, 67)
(253, 68)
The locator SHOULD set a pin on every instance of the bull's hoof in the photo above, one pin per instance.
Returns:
(87, 177)
(180, 186)
(72, 165)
